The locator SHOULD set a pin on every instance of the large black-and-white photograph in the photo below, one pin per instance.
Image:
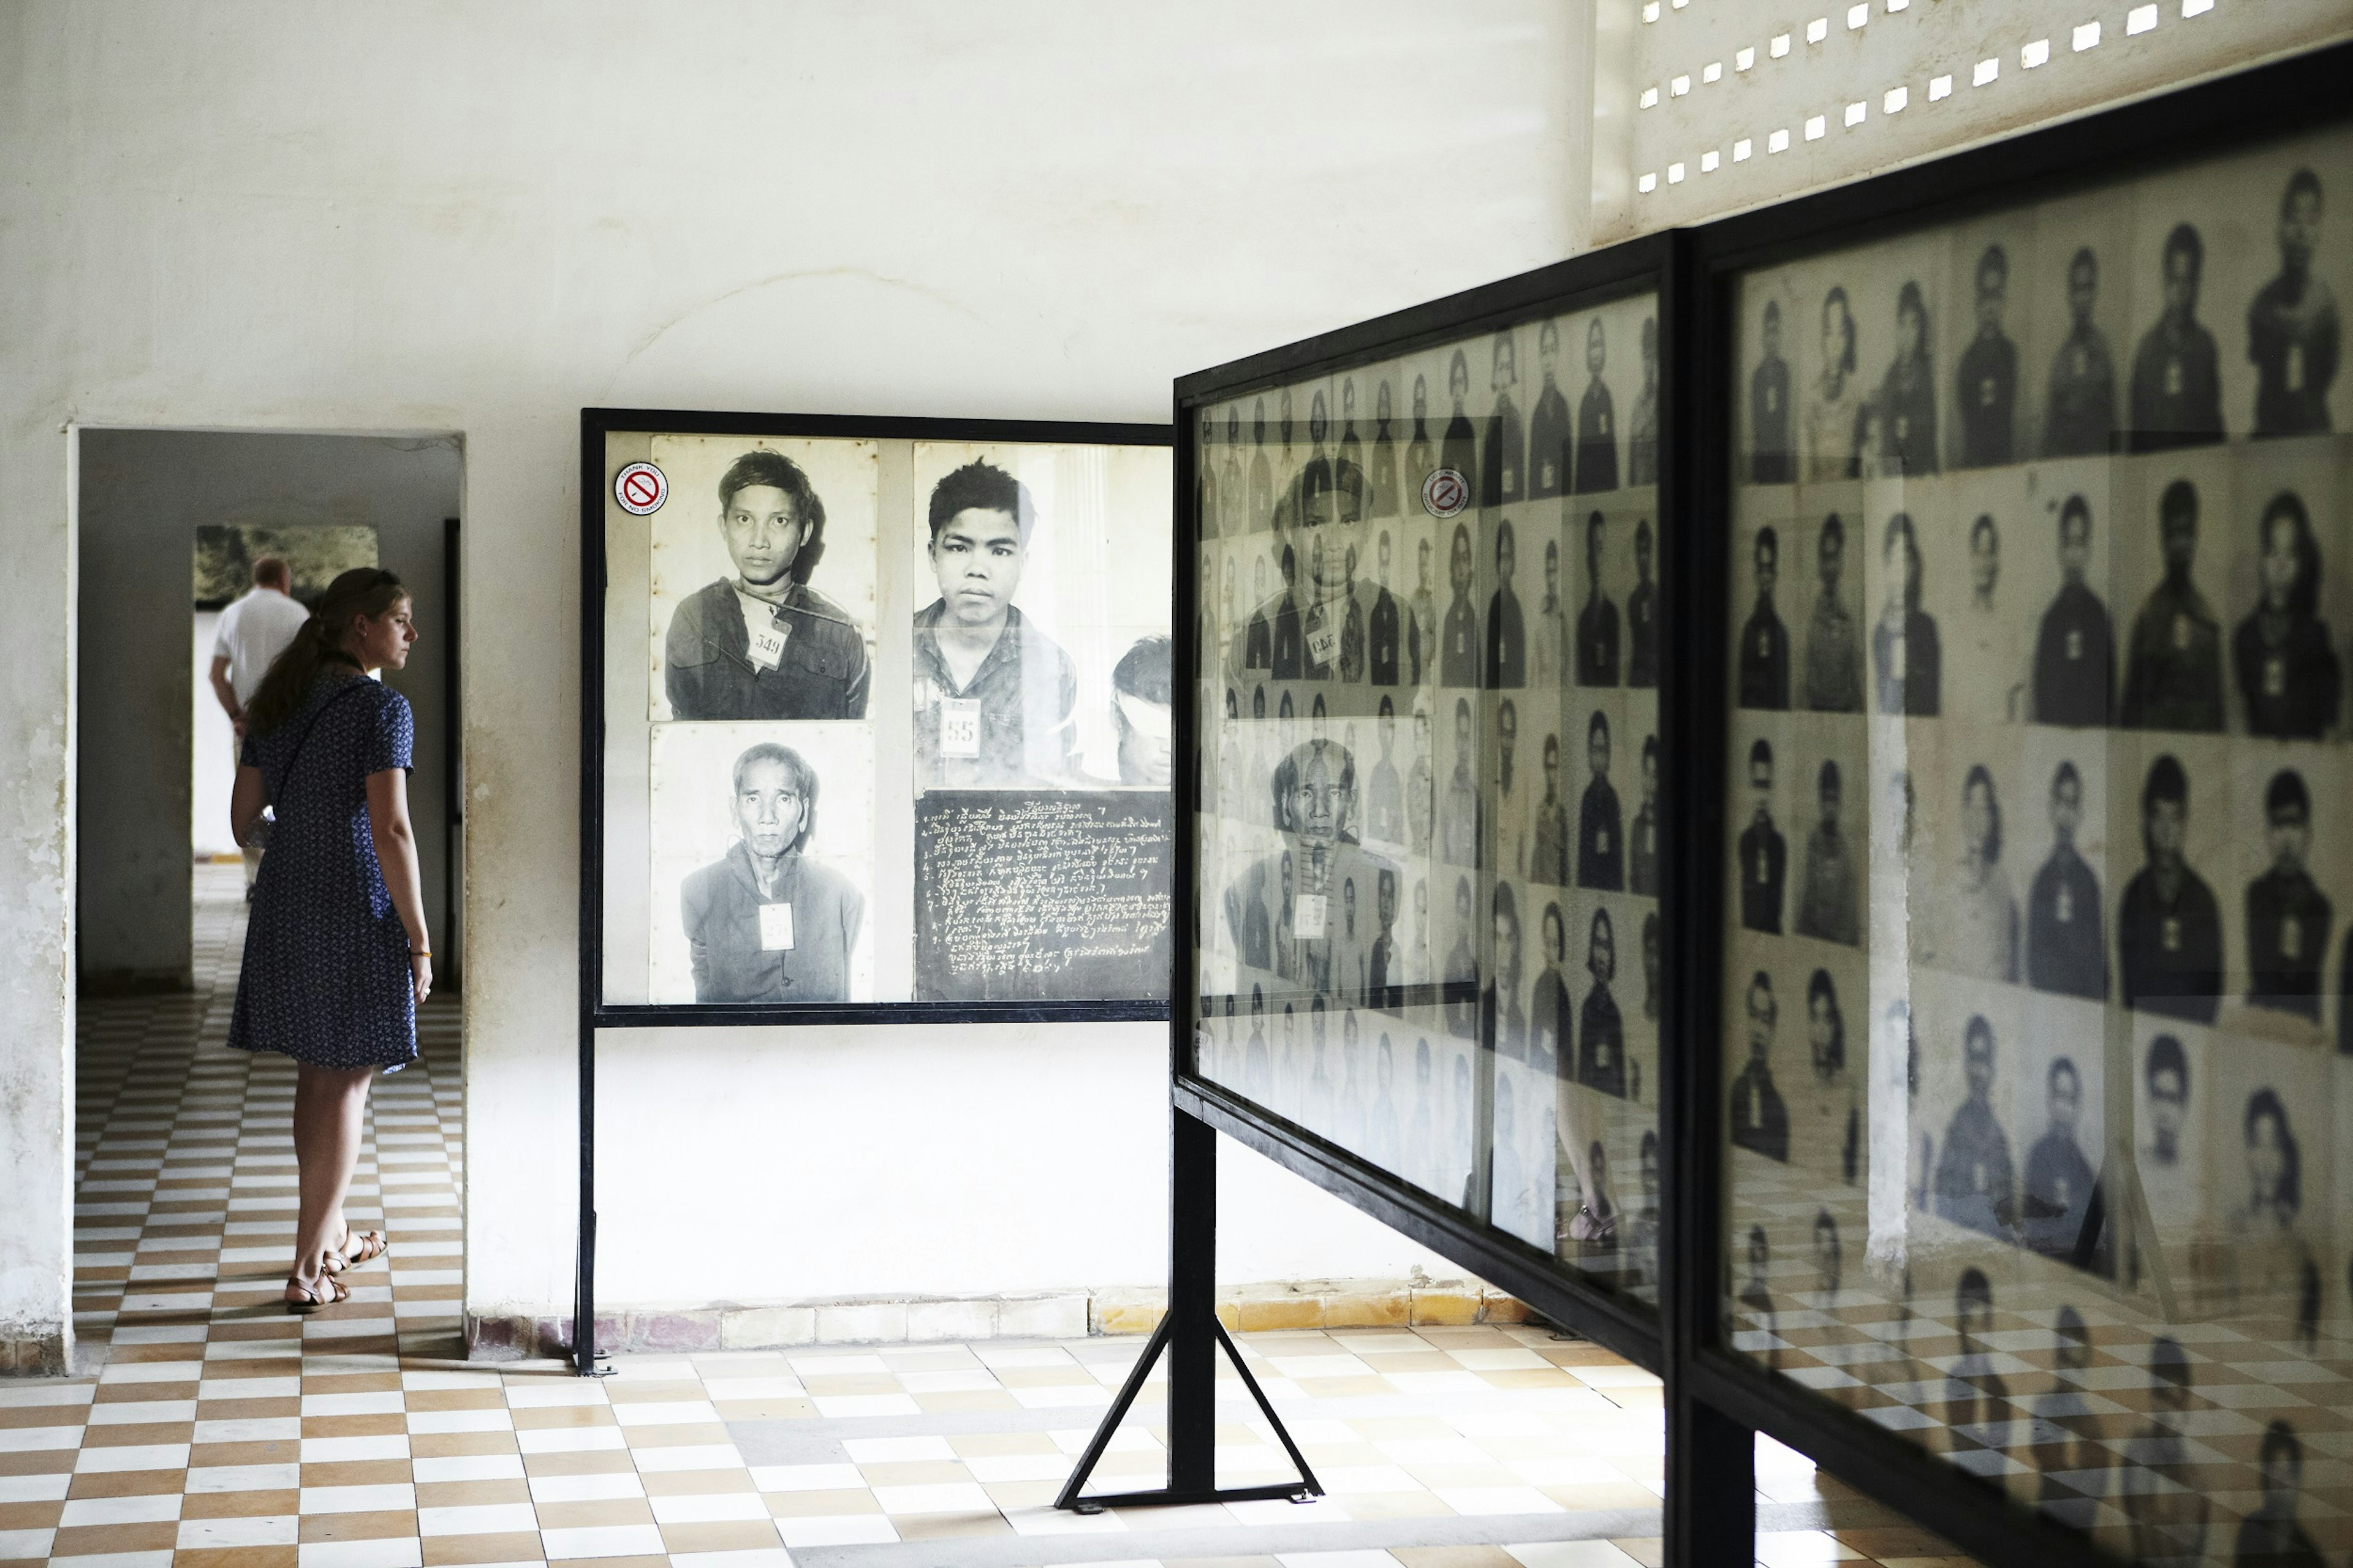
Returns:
(762, 863)
(764, 586)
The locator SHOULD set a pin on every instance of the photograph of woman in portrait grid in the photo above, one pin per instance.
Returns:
(763, 578)
(2101, 747)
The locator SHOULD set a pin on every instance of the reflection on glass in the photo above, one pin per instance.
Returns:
(2065, 745)
(1426, 692)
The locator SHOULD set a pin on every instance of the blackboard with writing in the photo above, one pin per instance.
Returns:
(1036, 895)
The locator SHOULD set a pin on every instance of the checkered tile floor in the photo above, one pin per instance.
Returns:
(211, 1430)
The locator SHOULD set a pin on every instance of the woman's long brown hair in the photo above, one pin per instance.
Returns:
(361, 591)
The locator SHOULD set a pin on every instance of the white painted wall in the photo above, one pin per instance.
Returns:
(476, 218)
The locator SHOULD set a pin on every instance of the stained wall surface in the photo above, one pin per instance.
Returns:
(475, 220)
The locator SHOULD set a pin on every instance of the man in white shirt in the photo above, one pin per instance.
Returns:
(253, 631)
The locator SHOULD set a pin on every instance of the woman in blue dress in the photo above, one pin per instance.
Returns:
(336, 958)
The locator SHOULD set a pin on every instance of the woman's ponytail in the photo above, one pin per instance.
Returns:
(363, 590)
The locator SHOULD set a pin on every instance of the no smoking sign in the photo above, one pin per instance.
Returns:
(1444, 494)
(640, 488)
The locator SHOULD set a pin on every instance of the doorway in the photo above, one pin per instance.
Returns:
(169, 523)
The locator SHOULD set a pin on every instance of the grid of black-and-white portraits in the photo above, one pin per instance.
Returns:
(799, 809)
(1427, 836)
(2040, 850)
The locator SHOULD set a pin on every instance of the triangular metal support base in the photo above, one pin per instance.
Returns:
(1304, 1490)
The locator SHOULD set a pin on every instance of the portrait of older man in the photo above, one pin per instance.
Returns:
(765, 923)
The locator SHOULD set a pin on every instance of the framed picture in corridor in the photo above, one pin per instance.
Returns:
(876, 718)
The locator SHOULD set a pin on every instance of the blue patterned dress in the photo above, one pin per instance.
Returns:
(326, 975)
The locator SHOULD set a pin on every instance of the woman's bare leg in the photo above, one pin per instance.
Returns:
(329, 1103)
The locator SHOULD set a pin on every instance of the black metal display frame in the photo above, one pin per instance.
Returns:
(1716, 1401)
(595, 1012)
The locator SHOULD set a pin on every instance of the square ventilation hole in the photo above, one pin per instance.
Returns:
(1707, 162)
(1744, 59)
(1674, 173)
(1939, 87)
(1779, 45)
(1649, 98)
(1647, 183)
(1679, 87)
(1986, 72)
(2196, 7)
(1817, 29)
(1816, 128)
(1857, 15)
(2086, 37)
(2034, 54)
(1742, 149)
(1651, 11)
(1854, 113)
(2140, 19)
(1713, 72)
(1893, 101)
(1778, 143)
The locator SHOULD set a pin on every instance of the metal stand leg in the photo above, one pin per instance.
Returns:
(584, 1280)
(1191, 1335)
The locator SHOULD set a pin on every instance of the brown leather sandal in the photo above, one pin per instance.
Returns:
(359, 1246)
(328, 1292)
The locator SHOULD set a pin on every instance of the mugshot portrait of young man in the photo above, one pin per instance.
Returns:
(1760, 1121)
(1772, 459)
(1827, 909)
(2079, 414)
(1550, 442)
(766, 923)
(2169, 926)
(2292, 326)
(2173, 668)
(1976, 1183)
(1505, 465)
(1597, 433)
(1597, 620)
(2066, 942)
(995, 699)
(1600, 838)
(1985, 388)
(1643, 614)
(2288, 916)
(1834, 636)
(1507, 636)
(1764, 640)
(763, 644)
(1764, 853)
(2074, 651)
(2177, 383)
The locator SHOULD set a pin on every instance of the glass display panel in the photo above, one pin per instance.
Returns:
(886, 719)
(2037, 1033)
(1428, 836)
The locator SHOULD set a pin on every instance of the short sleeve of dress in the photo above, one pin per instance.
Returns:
(392, 739)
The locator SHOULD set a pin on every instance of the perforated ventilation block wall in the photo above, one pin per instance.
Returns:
(1706, 107)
